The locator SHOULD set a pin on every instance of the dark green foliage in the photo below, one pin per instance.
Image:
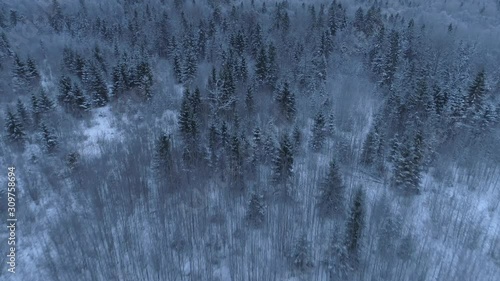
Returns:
(331, 198)
(256, 212)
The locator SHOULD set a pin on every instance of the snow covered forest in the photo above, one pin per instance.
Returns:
(245, 140)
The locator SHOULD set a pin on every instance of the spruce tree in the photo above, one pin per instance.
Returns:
(50, 141)
(319, 132)
(354, 228)
(99, 89)
(256, 212)
(271, 66)
(283, 163)
(177, 70)
(261, 67)
(14, 128)
(331, 198)
(476, 92)
(81, 103)
(45, 102)
(31, 69)
(65, 92)
(249, 101)
(236, 164)
(22, 113)
(392, 59)
(163, 159)
(286, 100)
(301, 256)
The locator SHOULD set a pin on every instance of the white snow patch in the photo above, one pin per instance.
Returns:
(101, 129)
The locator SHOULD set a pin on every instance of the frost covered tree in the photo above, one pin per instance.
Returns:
(163, 161)
(318, 132)
(256, 211)
(301, 255)
(354, 228)
(14, 128)
(283, 162)
(50, 141)
(331, 199)
(286, 101)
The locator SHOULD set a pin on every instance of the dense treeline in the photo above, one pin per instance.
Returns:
(246, 150)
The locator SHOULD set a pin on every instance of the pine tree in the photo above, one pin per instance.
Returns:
(35, 109)
(477, 91)
(144, 76)
(81, 103)
(257, 146)
(261, 67)
(319, 132)
(331, 198)
(297, 138)
(286, 100)
(359, 21)
(22, 113)
(14, 128)
(49, 138)
(392, 59)
(65, 92)
(31, 69)
(301, 256)
(45, 103)
(354, 228)
(187, 125)
(249, 101)
(256, 212)
(283, 163)
(19, 69)
(408, 166)
(163, 160)
(177, 70)
(271, 66)
(99, 89)
(236, 164)
(56, 17)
